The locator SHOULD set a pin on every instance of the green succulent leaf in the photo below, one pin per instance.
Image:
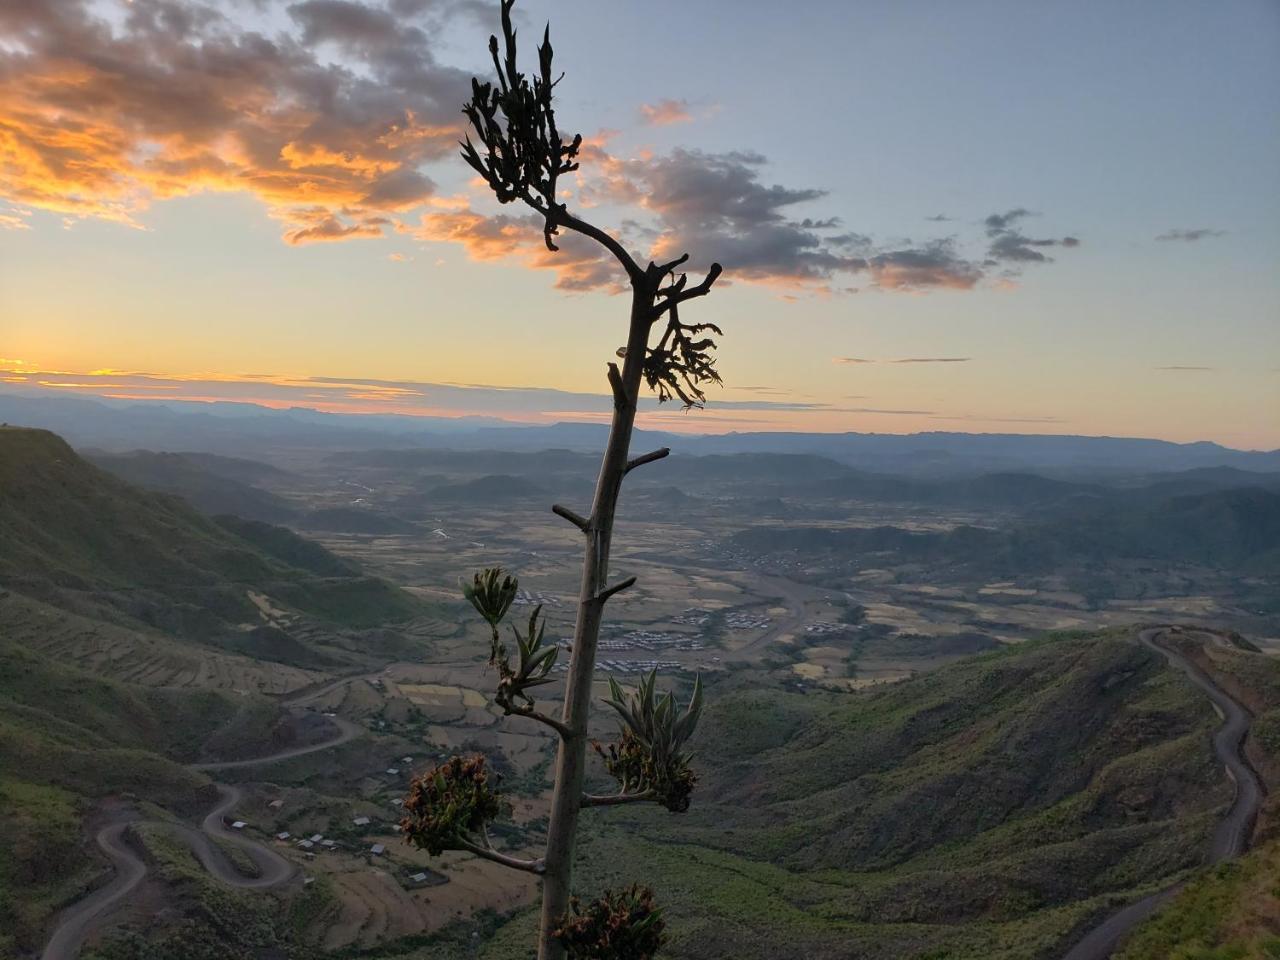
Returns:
(650, 755)
(491, 592)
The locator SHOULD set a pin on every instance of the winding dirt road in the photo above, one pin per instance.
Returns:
(1230, 839)
(347, 731)
(78, 920)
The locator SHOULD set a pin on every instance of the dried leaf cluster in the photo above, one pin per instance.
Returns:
(626, 925)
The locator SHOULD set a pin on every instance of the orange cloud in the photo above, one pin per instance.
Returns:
(580, 264)
(324, 227)
(102, 117)
(666, 112)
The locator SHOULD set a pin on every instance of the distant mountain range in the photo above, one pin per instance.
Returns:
(239, 429)
(1235, 529)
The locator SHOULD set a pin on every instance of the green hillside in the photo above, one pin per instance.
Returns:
(1231, 529)
(78, 535)
(78, 542)
(69, 739)
(213, 485)
(1233, 911)
(988, 810)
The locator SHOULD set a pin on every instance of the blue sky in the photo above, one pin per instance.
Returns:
(1110, 125)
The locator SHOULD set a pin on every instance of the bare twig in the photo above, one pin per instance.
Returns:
(646, 458)
(615, 382)
(618, 587)
(538, 866)
(677, 293)
(662, 270)
(581, 522)
(533, 714)
(613, 800)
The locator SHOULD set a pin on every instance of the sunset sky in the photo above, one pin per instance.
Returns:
(1051, 217)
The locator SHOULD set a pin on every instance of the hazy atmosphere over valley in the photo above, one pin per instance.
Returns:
(495, 480)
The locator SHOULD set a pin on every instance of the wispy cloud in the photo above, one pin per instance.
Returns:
(1185, 368)
(903, 360)
(1010, 245)
(1190, 236)
(983, 418)
(15, 220)
(353, 394)
(881, 410)
(934, 265)
(666, 112)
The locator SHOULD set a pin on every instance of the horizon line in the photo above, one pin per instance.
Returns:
(505, 423)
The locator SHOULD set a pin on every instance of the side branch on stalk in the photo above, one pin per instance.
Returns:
(645, 458)
(615, 799)
(450, 808)
(532, 714)
(577, 520)
(608, 592)
(616, 385)
(538, 866)
(677, 293)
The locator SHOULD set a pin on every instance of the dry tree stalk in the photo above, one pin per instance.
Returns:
(520, 153)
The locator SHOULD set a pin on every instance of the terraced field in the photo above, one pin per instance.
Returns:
(133, 655)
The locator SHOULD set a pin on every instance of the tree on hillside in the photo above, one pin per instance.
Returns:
(521, 156)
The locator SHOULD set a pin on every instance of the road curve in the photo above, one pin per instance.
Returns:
(77, 921)
(74, 926)
(1230, 839)
(347, 731)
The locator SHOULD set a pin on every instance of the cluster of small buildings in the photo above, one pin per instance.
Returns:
(394, 771)
(628, 666)
(741, 558)
(531, 597)
(746, 621)
(821, 628)
(311, 842)
(693, 617)
(651, 640)
(319, 841)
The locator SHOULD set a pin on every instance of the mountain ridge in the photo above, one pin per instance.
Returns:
(208, 428)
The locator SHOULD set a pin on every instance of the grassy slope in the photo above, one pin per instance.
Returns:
(1233, 911)
(985, 811)
(201, 481)
(76, 536)
(66, 739)
(72, 531)
(1229, 529)
(220, 923)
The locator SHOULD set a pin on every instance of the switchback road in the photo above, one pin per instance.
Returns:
(1230, 839)
(79, 920)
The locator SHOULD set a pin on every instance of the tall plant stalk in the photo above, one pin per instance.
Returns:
(520, 154)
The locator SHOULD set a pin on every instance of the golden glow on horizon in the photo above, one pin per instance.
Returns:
(753, 408)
